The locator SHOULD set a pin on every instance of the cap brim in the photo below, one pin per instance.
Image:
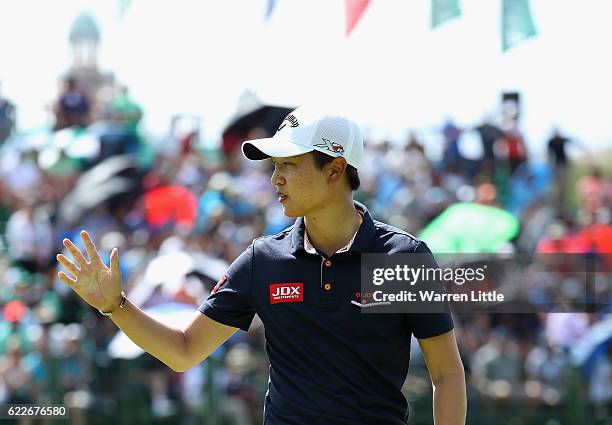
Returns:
(265, 148)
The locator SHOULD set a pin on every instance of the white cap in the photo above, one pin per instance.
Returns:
(305, 130)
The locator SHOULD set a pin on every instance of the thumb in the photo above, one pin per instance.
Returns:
(114, 262)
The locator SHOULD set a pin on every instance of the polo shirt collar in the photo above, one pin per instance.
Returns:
(363, 239)
(309, 248)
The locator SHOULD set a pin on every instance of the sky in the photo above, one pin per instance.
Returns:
(392, 74)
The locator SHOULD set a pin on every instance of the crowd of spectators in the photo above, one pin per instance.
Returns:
(170, 200)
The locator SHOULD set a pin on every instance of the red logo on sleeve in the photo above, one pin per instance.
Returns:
(286, 293)
(219, 284)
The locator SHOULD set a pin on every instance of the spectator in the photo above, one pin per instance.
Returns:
(600, 388)
(129, 112)
(72, 107)
(43, 368)
(594, 194)
(489, 135)
(30, 237)
(559, 161)
(513, 145)
(13, 377)
(452, 158)
(565, 329)
(7, 118)
(498, 368)
(21, 173)
(557, 155)
(546, 366)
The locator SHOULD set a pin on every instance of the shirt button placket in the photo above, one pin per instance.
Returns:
(327, 281)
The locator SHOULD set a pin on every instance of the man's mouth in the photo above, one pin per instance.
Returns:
(282, 197)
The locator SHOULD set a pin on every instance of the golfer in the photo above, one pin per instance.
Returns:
(330, 363)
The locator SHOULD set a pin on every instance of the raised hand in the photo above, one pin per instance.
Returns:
(97, 284)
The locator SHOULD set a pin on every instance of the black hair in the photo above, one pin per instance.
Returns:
(320, 159)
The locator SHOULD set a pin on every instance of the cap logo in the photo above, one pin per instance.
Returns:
(292, 120)
(330, 146)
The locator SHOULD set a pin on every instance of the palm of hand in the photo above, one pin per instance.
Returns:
(97, 284)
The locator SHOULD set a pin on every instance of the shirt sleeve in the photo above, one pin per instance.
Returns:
(428, 325)
(230, 301)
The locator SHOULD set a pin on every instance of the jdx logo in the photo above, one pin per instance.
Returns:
(286, 293)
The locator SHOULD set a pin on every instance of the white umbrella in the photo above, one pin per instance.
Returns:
(176, 315)
(598, 334)
(75, 142)
(168, 271)
(97, 185)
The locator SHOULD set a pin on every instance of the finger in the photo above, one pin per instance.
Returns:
(92, 252)
(68, 265)
(76, 252)
(114, 261)
(66, 279)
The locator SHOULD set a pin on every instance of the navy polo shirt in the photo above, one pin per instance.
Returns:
(330, 364)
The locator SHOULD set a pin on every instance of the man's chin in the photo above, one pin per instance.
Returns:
(290, 212)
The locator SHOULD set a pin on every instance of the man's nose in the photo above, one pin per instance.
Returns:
(276, 178)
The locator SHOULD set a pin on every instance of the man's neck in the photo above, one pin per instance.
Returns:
(333, 227)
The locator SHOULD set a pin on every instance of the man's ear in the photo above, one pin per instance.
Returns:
(337, 168)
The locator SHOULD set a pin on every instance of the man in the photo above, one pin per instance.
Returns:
(329, 362)
(560, 163)
(489, 135)
(7, 118)
(72, 108)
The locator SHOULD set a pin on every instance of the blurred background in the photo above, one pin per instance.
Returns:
(125, 118)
